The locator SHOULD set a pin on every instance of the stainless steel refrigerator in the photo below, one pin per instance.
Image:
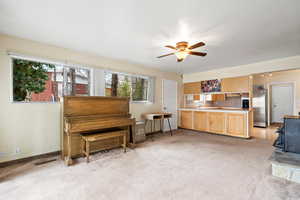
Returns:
(260, 106)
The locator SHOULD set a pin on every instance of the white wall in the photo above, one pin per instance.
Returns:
(34, 128)
(289, 76)
(242, 70)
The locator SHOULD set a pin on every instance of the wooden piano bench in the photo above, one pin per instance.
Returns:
(87, 139)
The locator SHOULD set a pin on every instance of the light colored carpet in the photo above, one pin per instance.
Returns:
(188, 165)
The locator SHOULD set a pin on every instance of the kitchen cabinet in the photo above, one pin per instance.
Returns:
(216, 121)
(235, 84)
(187, 119)
(225, 122)
(236, 124)
(200, 121)
(192, 88)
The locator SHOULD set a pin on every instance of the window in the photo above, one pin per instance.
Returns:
(138, 88)
(117, 85)
(45, 82)
(77, 81)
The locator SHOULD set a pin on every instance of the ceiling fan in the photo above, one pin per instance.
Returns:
(183, 49)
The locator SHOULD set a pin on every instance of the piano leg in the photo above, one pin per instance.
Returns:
(87, 147)
(68, 158)
(124, 142)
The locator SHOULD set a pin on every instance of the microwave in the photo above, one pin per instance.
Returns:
(245, 102)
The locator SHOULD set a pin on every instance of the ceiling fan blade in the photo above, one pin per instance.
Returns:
(165, 55)
(197, 53)
(199, 44)
(171, 47)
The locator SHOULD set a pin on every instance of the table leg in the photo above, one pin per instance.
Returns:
(160, 124)
(132, 137)
(151, 126)
(145, 126)
(170, 126)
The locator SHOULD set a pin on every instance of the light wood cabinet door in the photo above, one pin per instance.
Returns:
(186, 119)
(192, 88)
(216, 122)
(236, 84)
(200, 121)
(236, 124)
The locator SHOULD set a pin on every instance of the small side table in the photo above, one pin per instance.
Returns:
(157, 116)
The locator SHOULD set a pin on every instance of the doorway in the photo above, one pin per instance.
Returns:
(169, 101)
(282, 101)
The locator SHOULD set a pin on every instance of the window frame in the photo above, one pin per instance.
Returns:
(34, 59)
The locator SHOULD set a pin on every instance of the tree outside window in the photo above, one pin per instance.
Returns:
(117, 84)
(37, 82)
(29, 77)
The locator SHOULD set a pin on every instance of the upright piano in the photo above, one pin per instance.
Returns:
(82, 114)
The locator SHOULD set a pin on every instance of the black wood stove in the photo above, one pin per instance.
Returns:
(289, 135)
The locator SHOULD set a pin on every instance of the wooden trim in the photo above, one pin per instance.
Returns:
(96, 97)
(28, 159)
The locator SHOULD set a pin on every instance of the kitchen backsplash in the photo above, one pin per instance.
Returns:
(229, 102)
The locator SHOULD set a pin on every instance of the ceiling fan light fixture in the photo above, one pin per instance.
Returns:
(181, 55)
(183, 50)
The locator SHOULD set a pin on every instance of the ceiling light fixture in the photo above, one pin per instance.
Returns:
(183, 50)
(181, 55)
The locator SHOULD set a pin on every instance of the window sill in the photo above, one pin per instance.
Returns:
(35, 102)
(141, 102)
(57, 102)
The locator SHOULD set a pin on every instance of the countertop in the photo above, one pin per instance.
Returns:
(215, 109)
(292, 116)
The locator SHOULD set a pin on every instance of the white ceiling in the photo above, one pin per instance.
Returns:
(235, 31)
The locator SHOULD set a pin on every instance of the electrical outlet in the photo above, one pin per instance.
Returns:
(18, 150)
